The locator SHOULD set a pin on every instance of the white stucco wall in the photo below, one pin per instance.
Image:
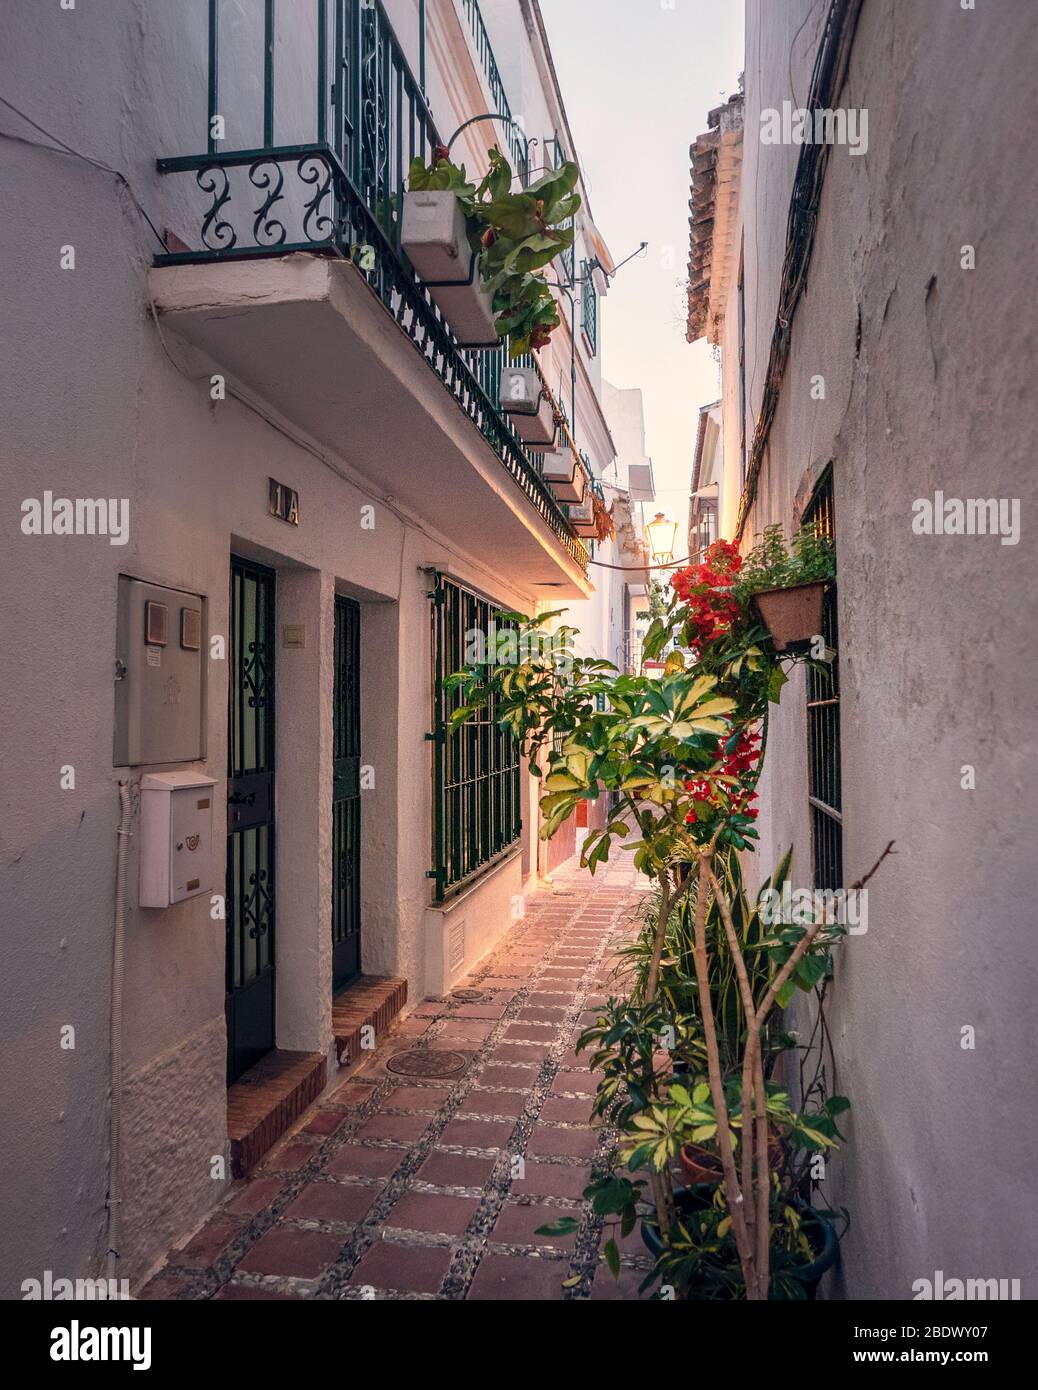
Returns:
(937, 668)
(96, 404)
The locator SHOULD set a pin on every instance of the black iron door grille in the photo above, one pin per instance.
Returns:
(476, 771)
(346, 796)
(250, 819)
(823, 721)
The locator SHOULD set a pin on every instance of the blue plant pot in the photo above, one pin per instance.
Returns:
(690, 1199)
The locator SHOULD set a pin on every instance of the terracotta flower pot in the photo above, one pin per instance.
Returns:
(792, 616)
(701, 1166)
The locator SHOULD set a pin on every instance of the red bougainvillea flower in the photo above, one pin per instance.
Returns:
(740, 764)
(707, 590)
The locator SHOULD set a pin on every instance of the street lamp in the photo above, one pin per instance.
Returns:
(661, 533)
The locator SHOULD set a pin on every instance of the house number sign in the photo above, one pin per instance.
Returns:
(282, 502)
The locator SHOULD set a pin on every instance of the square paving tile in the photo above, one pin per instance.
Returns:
(455, 1170)
(494, 1103)
(301, 1254)
(571, 1143)
(567, 1110)
(583, 1082)
(251, 1197)
(207, 1244)
(531, 1032)
(518, 1278)
(526, 1054)
(290, 1158)
(425, 1211)
(521, 1078)
(405, 1268)
(357, 1161)
(517, 1225)
(465, 1030)
(324, 1122)
(399, 1129)
(552, 1180)
(477, 1134)
(331, 1201)
(350, 1093)
(427, 1100)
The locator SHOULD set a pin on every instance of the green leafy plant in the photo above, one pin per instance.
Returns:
(680, 756)
(810, 559)
(514, 235)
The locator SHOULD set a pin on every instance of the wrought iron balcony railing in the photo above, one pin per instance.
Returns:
(341, 194)
(498, 95)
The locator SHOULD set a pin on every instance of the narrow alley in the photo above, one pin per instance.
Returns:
(400, 1184)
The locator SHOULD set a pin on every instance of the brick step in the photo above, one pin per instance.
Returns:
(263, 1104)
(369, 1001)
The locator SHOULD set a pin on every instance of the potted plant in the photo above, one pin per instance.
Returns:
(676, 752)
(510, 236)
(787, 586)
(702, 1260)
(524, 400)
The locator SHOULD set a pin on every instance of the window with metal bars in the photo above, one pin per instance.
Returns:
(589, 307)
(476, 781)
(823, 719)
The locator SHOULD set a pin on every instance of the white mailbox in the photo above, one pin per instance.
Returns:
(176, 842)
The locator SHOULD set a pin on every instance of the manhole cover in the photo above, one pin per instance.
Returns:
(467, 996)
(426, 1061)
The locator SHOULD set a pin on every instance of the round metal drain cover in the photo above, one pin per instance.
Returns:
(468, 996)
(426, 1061)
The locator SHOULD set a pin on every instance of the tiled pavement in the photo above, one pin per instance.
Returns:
(403, 1188)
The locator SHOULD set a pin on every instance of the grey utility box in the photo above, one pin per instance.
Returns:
(159, 675)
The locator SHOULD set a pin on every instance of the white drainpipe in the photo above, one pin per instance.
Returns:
(116, 1029)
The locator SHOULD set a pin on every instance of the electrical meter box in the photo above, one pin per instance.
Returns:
(176, 837)
(159, 675)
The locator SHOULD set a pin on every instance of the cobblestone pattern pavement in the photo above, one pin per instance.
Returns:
(396, 1187)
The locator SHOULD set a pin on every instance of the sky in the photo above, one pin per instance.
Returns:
(638, 78)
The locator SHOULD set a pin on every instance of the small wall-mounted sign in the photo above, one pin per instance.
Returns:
(282, 502)
(294, 635)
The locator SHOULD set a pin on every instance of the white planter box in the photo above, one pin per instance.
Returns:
(528, 410)
(565, 475)
(582, 518)
(434, 241)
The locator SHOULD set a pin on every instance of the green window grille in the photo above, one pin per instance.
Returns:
(476, 781)
(589, 307)
(556, 157)
(823, 721)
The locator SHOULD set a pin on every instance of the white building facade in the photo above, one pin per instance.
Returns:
(213, 330)
(868, 326)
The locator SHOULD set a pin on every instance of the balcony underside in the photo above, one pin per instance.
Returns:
(305, 333)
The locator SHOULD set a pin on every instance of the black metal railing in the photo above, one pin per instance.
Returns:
(823, 721)
(514, 137)
(477, 813)
(341, 194)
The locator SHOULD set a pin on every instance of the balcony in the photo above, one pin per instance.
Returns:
(289, 274)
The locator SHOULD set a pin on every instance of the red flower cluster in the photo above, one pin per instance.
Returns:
(741, 763)
(707, 590)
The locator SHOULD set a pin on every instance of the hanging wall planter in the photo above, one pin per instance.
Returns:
(523, 399)
(565, 474)
(583, 520)
(435, 240)
(793, 616)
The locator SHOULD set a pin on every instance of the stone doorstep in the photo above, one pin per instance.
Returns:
(263, 1104)
(370, 1001)
(266, 1102)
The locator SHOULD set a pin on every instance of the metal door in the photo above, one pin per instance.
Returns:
(346, 796)
(250, 818)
